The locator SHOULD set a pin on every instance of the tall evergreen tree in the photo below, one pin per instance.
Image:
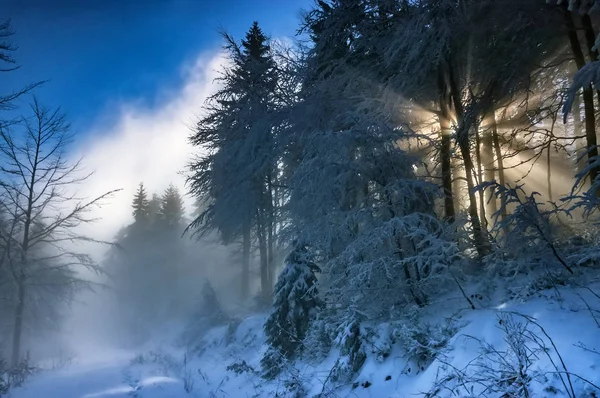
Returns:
(154, 205)
(171, 208)
(239, 169)
(140, 205)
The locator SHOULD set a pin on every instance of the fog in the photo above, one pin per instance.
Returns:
(129, 148)
(122, 151)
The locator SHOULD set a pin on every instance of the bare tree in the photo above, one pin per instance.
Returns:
(8, 64)
(37, 185)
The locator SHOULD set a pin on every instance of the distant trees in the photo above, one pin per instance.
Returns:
(146, 264)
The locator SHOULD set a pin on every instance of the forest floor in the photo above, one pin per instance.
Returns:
(546, 346)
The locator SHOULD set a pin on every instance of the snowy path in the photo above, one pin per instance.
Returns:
(102, 379)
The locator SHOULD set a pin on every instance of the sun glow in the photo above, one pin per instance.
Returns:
(540, 157)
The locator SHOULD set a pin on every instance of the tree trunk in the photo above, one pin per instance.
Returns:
(479, 236)
(590, 131)
(500, 162)
(445, 150)
(549, 172)
(480, 240)
(481, 192)
(590, 40)
(246, 262)
(18, 327)
(21, 277)
(265, 285)
(270, 233)
(590, 36)
(412, 281)
(270, 254)
(411, 287)
(549, 161)
(588, 97)
(457, 184)
(580, 164)
(489, 174)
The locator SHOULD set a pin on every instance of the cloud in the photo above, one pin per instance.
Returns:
(144, 144)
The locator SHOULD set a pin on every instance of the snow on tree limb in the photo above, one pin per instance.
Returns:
(586, 76)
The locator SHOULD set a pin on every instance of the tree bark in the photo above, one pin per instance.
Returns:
(549, 161)
(270, 233)
(22, 276)
(489, 174)
(479, 236)
(549, 172)
(18, 327)
(499, 161)
(588, 97)
(449, 209)
(577, 133)
(480, 240)
(445, 150)
(590, 40)
(264, 261)
(245, 261)
(481, 192)
(590, 36)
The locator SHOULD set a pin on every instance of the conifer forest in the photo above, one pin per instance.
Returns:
(400, 200)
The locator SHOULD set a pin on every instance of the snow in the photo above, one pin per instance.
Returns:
(565, 314)
(95, 381)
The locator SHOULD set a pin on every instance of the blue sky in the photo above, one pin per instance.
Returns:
(132, 76)
(100, 53)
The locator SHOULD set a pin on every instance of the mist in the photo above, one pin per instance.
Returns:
(121, 152)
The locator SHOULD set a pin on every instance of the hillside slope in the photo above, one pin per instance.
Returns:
(547, 346)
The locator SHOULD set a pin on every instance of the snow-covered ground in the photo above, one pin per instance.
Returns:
(558, 348)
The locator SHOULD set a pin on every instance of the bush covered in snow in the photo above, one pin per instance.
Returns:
(165, 363)
(422, 342)
(528, 237)
(15, 376)
(295, 306)
(352, 351)
(526, 364)
(320, 337)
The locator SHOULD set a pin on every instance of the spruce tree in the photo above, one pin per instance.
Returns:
(295, 304)
(140, 204)
(171, 207)
(238, 173)
(352, 351)
(208, 314)
(154, 208)
(211, 310)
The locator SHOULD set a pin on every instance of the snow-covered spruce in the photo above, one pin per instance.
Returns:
(208, 314)
(295, 305)
(352, 352)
